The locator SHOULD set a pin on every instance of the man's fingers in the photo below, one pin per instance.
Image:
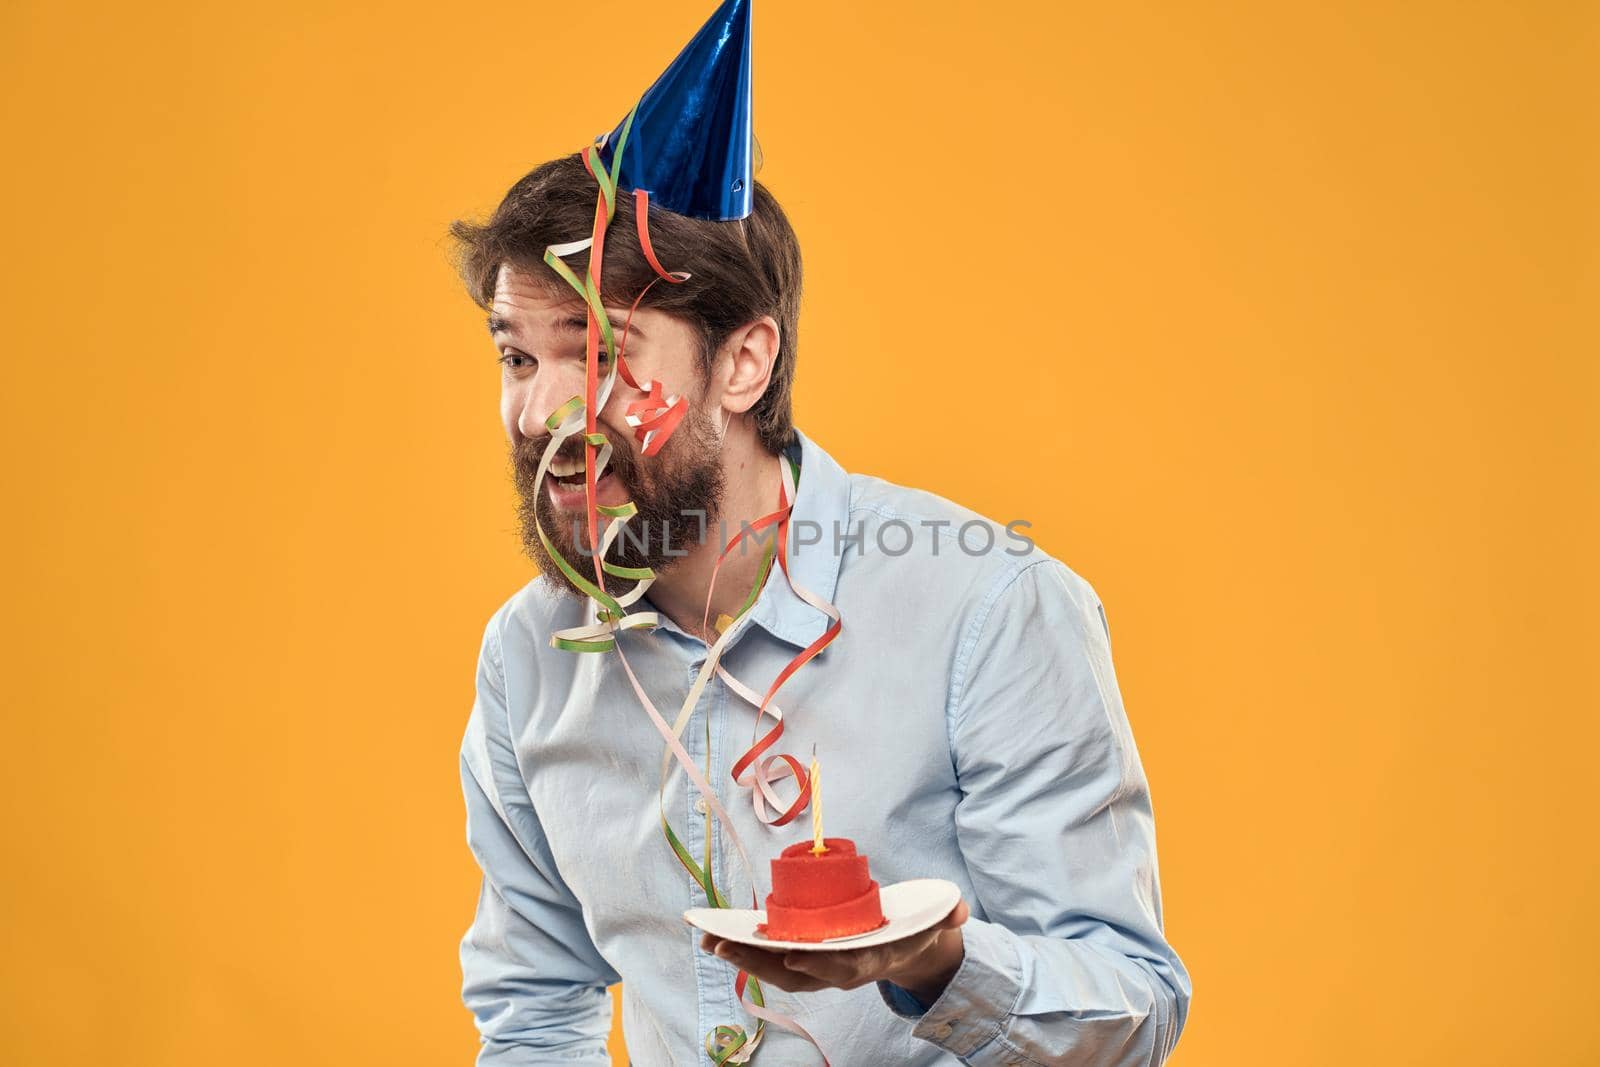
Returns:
(796, 961)
(816, 964)
(769, 968)
(734, 952)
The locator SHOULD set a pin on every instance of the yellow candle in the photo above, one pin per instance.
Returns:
(817, 847)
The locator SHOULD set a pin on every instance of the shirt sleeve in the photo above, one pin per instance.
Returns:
(1069, 963)
(531, 976)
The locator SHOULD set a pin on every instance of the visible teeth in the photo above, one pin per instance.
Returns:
(565, 468)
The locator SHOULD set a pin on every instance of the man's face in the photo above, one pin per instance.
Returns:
(541, 336)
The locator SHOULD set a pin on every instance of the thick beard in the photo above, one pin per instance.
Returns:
(678, 493)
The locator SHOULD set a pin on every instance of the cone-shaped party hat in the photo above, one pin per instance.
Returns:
(690, 143)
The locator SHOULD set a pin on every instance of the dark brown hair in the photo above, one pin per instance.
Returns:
(740, 270)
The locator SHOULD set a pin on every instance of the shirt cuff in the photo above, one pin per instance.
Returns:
(974, 1008)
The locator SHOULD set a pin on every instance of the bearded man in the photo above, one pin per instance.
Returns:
(967, 712)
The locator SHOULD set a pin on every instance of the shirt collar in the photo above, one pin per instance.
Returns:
(820, 516)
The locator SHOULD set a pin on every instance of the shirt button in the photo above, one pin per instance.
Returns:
(943, 1030)
(701, 806)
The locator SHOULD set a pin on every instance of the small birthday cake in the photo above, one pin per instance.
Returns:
(817, 896)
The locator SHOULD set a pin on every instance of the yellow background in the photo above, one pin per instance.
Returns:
(1271, 317)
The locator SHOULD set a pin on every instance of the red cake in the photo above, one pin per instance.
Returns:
(815, 897)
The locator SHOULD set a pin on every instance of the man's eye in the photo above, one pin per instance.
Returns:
(510, 360)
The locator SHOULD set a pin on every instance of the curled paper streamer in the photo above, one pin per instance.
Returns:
(653, 420)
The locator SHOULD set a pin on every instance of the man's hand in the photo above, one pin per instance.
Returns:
(922, 964)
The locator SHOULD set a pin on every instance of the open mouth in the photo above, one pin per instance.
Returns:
(565, 483)
(567, 473)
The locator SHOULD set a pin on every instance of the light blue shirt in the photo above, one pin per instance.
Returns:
(970, 728)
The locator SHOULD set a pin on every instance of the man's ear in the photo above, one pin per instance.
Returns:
(749, 356)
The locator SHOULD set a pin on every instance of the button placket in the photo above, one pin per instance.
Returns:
(717, 696)
(694, 742)
(709, 972)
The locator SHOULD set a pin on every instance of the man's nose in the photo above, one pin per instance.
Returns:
(553, 384)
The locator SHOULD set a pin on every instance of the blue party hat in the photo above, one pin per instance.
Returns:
(690, 143)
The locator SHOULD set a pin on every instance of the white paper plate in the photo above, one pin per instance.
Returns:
(911, 907)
